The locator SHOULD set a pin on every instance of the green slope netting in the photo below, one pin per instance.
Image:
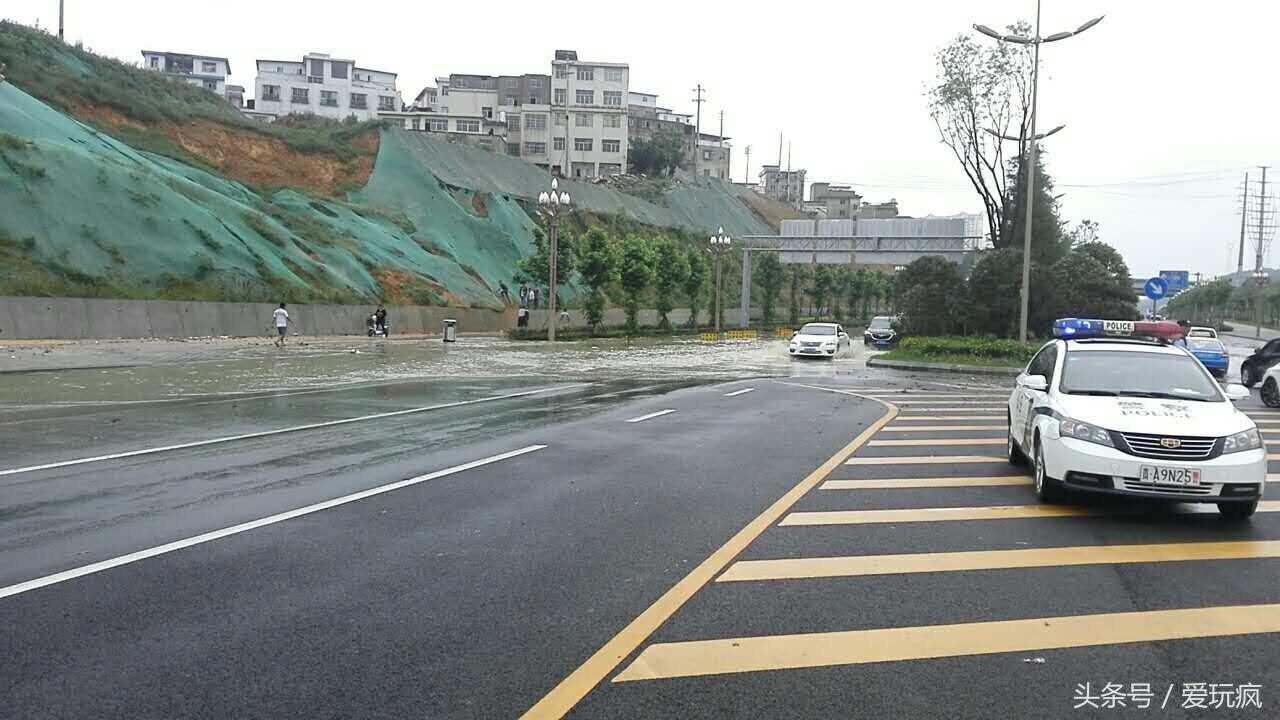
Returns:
(698, 203)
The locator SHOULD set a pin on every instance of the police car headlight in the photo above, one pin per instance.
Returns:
(1247, 440)
(1084, 431)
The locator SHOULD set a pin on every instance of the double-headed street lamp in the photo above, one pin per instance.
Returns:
(1029, 195)
(553, 203)
(719, 245)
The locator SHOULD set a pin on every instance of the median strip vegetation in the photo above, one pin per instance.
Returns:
(980, 351)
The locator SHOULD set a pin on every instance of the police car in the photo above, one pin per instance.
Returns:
(1110, 406)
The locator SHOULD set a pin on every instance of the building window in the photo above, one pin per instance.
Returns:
(557, 144)
(562, 72)
(489, 83)
(300, 96)
(513, 121)
(584, 120)
(338, 70)
(467, 126)
(386, 102)
(613, 121)
(613, 98)
(535, 148)
(585, 97)
(611, 146)
(706, 171)
(329, 98)
(512, 83)
(582, 144)
(155, 63)
(211, 85)
(271, 93)
(560, 119)
(486, 112)
(437, 125)
(586, 73)
(359, 101)
(513, 149)
(511, 100)
(535, 122)
(417, 124)
(535, 83)
(560, 96)
(615, 75)
(208, 67)
(459, 82)
(706, 154)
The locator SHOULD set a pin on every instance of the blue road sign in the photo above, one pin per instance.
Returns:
(1156, 288)
(1178, 280)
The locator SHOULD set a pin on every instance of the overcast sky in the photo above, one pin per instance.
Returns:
(1167, 102)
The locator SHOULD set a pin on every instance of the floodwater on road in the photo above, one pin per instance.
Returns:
(225, 368)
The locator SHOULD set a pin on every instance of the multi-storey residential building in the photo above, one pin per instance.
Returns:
(713, 156)
(710, 154)
(204, 71)
(588, 128)
(326, 86)
(839, 202)
(235, 95)
(783, 185)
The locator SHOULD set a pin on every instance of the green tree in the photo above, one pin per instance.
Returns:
(994, 285)
(695, 282)
(1091, 280)
(598, 267)
(855, 290)
(672, 269)
(659, 155)
(840, 276)
(798, 276)
(925, 293)
(537, 267)
(819, 288)
(636, 275)
(769, 276)
(1049, 241)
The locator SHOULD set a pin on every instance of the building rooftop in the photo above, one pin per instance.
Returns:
(190, 55)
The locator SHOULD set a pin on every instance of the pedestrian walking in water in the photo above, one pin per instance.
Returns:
(281, 317)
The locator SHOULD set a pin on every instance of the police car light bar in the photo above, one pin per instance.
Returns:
(1081, 328)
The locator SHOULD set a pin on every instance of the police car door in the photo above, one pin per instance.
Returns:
(1026, 399)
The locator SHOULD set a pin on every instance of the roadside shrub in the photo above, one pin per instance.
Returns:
(983, 347)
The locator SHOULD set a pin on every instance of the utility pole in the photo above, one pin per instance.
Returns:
(61, 36)
(1244, 213)
(1259, 277)
(697, 128)
(746, 171)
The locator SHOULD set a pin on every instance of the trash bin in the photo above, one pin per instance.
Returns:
(450, 330)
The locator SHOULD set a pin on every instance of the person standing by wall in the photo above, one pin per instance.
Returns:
(281, 318)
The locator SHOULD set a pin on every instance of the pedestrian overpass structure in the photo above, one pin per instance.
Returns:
(889, 242)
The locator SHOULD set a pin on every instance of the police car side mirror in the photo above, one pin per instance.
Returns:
(1033, 382)
(1236, 393)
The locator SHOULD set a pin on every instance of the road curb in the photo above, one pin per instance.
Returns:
(941, 367)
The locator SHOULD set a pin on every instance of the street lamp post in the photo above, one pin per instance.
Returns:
(719, 245)
(1260, 278)
(554, 203)
(1029, 196)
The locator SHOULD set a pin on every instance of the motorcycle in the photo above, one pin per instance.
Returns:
(371, 325)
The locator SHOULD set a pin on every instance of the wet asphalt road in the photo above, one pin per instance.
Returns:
(476, 593)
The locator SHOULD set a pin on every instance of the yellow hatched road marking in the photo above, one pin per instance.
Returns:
(929, 460)
(946, 514)
(895, 483)
(916, 442)
(852, 647)
(943, 428)
(934, 418)
(859, 565)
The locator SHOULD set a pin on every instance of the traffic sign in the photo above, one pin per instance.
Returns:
(1156, 288)
(1178, 280)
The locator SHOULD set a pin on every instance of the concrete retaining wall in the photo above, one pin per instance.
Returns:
(26, 318)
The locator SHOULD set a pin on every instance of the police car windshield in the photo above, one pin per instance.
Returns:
(1136, 374)
(880, 323)
(818, 330)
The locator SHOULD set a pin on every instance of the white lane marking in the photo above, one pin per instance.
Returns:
(650, 416)
(743, 391)
(269, 433)
(254, 524)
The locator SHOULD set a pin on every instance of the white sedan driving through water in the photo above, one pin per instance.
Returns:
(820, 340)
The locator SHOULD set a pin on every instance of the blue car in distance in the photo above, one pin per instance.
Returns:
(1211, 354)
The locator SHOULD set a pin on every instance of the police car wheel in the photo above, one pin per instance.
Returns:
(1237, 511)
(1271, 393)
(1016, 457)
(1047, 489)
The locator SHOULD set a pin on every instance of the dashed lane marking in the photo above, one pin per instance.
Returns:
(944, 482)
(853, 647)
(651, 415)
(743, 391)
(860, 565)
(946, 514)
(926, 460)
(944, 428)
(917, 442)
(254, 524)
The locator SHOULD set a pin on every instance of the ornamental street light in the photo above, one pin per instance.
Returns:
(718, 246)
(554, 203)
(1029, 196)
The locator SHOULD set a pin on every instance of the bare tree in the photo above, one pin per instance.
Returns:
(980, 87)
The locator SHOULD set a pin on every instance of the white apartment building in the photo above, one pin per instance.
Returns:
(589, 116)
(326, 86)
(204, 71)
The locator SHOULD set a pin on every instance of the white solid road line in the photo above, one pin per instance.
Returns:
(743, 391)
(253, 524)
(281, 431)
(650, 416)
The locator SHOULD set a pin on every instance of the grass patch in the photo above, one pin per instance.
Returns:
(144, 199)
(13, 142)
(203, 235)
(963, 351)
(259, 224)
